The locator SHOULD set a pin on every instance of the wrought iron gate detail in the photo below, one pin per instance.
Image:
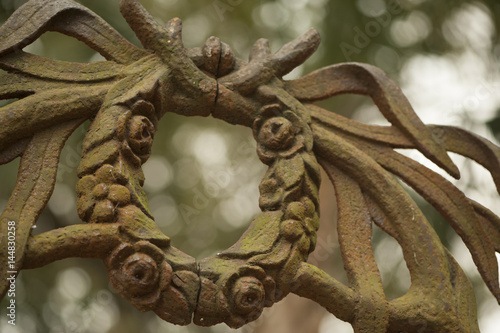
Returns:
(125, 96)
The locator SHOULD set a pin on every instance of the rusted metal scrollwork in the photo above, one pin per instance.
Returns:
(126, 96)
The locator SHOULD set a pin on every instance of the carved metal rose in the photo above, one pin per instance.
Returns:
(248, 296)
(140, 136)
(140, 131)
(100, 194)
(278, 133)
(248, 292)
(139, 273)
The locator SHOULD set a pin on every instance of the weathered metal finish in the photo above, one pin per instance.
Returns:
(125, 97)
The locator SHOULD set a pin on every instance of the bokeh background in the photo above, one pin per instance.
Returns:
(202, 178)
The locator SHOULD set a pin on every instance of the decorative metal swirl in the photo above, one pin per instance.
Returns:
(126, 96)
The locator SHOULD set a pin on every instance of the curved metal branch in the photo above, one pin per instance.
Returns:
(263, 65)
(76, 241)
(315, 284)
(354, 227)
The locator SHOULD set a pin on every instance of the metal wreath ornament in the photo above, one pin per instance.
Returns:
(126, 95)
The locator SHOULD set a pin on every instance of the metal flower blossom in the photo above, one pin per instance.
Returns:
(139, 273)
(126, 95)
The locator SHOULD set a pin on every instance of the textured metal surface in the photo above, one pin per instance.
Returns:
(126, 96)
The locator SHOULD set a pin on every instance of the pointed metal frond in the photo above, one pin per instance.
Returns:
(471, 221)
(333, 150)
(453, 139)
(32, 114)
(34, 18)
(57, 70)
(35, 183)
(458, 293)
(50, 91)
(13, 151)
(368, 187)
(53, 91)
(451, 203)
(354, 226)
(356, 78)
(472, 146)
(351, 149)
(490, 222)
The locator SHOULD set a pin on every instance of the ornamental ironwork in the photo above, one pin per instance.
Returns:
(126, 95)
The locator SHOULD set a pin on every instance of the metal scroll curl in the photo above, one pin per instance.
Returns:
(126, 95)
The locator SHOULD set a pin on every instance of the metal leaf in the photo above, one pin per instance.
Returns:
(259, 237)
(354, 227)
(45, 68)
(395, 202)
(459, 294)
(34, 18)
(19, 86)
(489, 222)
(453, 139)
(35, 183)
(388, 135)
(445, 197)
(470, 145)
(13, 151)
(290, 171)
(451, 203)
(31, 114)
(369, 80)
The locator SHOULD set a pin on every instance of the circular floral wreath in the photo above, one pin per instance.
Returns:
(235, 285)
